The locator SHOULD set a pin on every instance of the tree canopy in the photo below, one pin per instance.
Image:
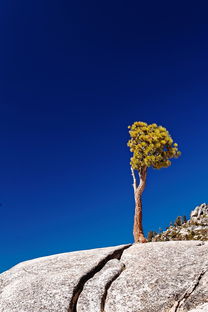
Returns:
(152, 146)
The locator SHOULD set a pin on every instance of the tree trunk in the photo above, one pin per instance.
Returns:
(138, 190)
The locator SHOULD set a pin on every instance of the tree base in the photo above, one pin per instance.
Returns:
(141, 239)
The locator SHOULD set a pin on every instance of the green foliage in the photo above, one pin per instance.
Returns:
(151, 235)
(151, 145)
(178, 221)
(184, 219)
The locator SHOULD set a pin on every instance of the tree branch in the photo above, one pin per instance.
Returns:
(134, 180)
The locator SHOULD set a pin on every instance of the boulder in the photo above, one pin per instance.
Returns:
(161, 277)
(199, 211)
(152, 277)
(51, 284)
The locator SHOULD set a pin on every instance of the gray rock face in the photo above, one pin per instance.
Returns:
(201, 308)
(152, 277)
(49, 284)
(199, 211)
(161, 277)
(93, 295)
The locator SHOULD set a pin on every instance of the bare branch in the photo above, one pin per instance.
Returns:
(134, 180)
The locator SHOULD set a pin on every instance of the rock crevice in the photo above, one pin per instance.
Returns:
(180, 302)
(153, 277)
(89, 275)
(108, 285)
(158, 273)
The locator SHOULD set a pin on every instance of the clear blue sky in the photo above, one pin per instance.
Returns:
(74, 75)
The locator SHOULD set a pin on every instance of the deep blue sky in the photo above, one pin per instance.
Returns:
(74, 75)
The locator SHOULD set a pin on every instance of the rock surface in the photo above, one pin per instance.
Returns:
(201, 308)
(93, 295)
(160, 277)
(152, 277)
(51, 283)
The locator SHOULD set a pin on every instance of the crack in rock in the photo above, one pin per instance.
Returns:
(188, 292)
(92, 298)
(108, 285)
(85, 278)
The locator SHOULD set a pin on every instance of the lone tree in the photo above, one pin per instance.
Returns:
(152, 146)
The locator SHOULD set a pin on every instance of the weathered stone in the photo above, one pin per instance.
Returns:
(93, 295)
(161, 277)
(201, 210)
(48, 284)
(152, 277)
(201, 308)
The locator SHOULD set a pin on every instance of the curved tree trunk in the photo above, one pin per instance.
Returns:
(138, 190)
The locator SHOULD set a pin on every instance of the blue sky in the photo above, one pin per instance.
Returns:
(73, 76)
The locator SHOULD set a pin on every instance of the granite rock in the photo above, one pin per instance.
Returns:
(161, 277)
(92, 297)
(49, 284)
(199, 211)
(201, 308)
(153, 277)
